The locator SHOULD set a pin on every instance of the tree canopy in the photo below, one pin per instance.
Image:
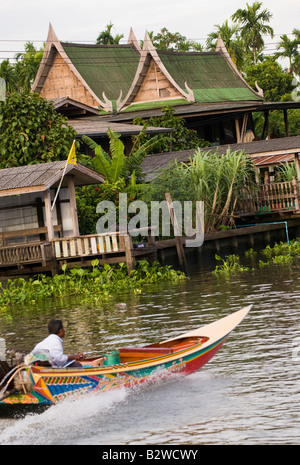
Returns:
(253, 25)
(32, 131)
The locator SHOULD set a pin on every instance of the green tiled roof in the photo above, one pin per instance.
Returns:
(105, 68)
(208, 75)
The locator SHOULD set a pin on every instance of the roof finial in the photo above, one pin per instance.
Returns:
(133, 40)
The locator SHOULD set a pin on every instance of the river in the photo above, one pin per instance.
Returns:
(248, 393)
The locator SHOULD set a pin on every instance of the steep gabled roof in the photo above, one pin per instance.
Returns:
(208, 77)
(52, 48)
(122, 78)
(108, 69)
(105, 71)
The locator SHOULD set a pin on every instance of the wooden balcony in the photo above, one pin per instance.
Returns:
(77, 250)
(269, 198)
(26, 254)
(108, 248)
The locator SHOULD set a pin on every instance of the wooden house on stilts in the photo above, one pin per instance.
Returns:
(37, 235)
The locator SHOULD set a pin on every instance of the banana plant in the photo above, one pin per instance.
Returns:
(117, 165)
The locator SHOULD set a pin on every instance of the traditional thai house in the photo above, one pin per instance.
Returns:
(122, 82)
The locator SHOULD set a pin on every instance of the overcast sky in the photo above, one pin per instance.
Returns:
(81, 21)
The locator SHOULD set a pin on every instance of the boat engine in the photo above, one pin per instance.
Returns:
(15, 378)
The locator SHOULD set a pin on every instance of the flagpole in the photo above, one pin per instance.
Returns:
(57, 192)
(71, 159)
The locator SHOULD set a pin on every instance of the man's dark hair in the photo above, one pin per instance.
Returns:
(54, 326)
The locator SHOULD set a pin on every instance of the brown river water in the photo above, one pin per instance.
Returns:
(249, 393)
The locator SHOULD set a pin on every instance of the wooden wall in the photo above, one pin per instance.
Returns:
(155, 86)
(62, 82)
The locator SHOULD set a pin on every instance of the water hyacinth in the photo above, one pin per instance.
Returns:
(96, 284)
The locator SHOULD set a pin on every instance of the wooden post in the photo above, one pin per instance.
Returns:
(128, 252)
(244, 127)
(266, 125)
(297, 200)
(179, 246)
(286, 124)
(297, 162)
(73, 205)
(48, 215)
(237, 130)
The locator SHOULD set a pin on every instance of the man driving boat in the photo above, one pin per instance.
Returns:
(53, 346)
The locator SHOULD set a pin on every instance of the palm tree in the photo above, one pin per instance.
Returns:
(288, 49)
(253, 25)
(106, 38)
(231, 39)
(27, 65)
(7, 72)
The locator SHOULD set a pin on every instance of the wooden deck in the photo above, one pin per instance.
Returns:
(80, 250)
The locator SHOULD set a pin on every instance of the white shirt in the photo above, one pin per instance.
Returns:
(54, 345)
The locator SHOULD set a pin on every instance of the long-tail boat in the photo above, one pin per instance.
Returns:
(33, 383)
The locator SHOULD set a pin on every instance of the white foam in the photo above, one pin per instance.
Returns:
(63, 422)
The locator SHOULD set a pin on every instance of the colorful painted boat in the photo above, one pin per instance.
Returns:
(31, 384)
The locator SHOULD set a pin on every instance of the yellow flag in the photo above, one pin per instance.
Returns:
(72, 155)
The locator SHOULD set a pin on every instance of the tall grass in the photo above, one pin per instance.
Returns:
(220, 181)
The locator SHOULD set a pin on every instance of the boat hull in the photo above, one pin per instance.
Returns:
(52, 385)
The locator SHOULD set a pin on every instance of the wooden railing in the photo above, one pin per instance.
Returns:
(109, 247)
(82, 246)
(24, 236)
(279, 196)
(25, 254)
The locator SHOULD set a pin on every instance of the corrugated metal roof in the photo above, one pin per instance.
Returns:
(266, 160)
(95, 125)
(263, 152)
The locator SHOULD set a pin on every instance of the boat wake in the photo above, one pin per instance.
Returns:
(64, 422)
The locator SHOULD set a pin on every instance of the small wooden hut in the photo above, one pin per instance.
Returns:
(28, 223)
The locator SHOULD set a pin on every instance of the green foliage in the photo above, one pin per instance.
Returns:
(287, 171)
(277, 123)
(281, 253)
(182, 138)
(283, 248)
(288, 48)
(219, 181)
(166, 40)
(232, 41)
(270, 76)
(122, 172)
(20, 75)
(229, 266)
(253, 25)
(31, 131)
(250, 253)
(106, 38)
(95, 285)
